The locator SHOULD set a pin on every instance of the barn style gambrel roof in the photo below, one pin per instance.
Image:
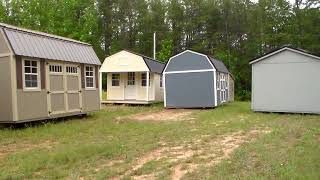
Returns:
(217, 65)
(35, 44)
(281, 49)
(153, 65)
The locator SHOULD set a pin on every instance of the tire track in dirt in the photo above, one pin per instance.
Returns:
(208, 153)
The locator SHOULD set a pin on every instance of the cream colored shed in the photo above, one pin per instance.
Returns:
(132, 78)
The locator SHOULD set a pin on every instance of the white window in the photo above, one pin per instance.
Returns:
(218, 81)
(115, 80)
(160, 81)
(89, 72)
(31, 74)
(131, 78)
(72, 70)
(144, 79)
(226, 82)
(55, 68)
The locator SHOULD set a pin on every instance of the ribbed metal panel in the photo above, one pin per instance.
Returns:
(25, 43)
(219, 65)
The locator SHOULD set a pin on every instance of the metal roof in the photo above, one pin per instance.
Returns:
(219, 65)
(153, 65)
(278, 50)
(42, 45)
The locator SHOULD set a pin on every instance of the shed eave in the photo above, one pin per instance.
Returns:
(281, 50)
(165, 68)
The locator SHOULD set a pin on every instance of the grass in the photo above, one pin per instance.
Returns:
(103, 146)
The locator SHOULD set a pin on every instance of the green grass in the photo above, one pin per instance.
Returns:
(78, 147)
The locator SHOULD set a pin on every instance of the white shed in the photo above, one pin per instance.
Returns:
(286, 80)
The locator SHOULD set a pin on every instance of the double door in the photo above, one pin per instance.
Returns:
(63, 88)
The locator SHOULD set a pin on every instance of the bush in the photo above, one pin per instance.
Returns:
(243, 95)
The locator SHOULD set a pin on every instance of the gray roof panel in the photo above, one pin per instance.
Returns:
(41, 45)
(154, 66)
(219, 65)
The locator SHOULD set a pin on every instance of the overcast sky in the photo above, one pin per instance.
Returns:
(291, 1)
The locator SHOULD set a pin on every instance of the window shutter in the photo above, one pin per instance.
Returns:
(82, 76)
(97, 76)
(43, 73)
(19, 72)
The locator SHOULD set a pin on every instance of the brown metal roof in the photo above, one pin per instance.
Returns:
(42, 45)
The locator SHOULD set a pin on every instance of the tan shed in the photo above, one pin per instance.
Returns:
(132, 78)
(44, 76)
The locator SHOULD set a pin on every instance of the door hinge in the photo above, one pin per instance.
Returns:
(80, 91)
(48, 92)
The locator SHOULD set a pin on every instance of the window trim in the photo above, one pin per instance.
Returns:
(119, 80)
(131, 80)
(70, 67)
(146, 79)
(38, 88)
(85, 78)
(53, 65)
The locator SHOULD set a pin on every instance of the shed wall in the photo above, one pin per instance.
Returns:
(91, 100)
(117, 93)
(190, 90)
(6, 110)
(32, 104)
(188, 61)
(158, 89)
(231, 89)
(4, 48)
(286, 82)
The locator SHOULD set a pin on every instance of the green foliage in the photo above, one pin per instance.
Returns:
(234, 31)
(166, 50)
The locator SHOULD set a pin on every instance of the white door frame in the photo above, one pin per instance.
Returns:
(132, 87)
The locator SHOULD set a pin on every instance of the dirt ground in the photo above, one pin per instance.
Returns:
(189, 156)
(164, 115)
(6, 150)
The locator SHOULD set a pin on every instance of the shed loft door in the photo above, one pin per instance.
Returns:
(130, 87)
(63, 85)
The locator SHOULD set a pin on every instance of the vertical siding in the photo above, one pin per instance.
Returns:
(6, 110)
(4, 46)
(158, 89)
(190, 90)
(32, 104)
(286, 82)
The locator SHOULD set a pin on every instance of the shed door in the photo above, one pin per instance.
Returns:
(64, 86)
(73, 93)
(130, 87)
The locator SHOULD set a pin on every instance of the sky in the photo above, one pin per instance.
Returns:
(291, 1)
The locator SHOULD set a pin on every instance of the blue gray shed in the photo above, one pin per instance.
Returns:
(195, 80)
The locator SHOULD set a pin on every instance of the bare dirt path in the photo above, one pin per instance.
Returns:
(163, 115)
(187, 157)
(5, 150)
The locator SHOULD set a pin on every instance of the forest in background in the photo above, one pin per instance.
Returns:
(234, 31)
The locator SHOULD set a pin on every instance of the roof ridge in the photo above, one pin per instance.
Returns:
(144, 56)
(11, 27)
(280, 49)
